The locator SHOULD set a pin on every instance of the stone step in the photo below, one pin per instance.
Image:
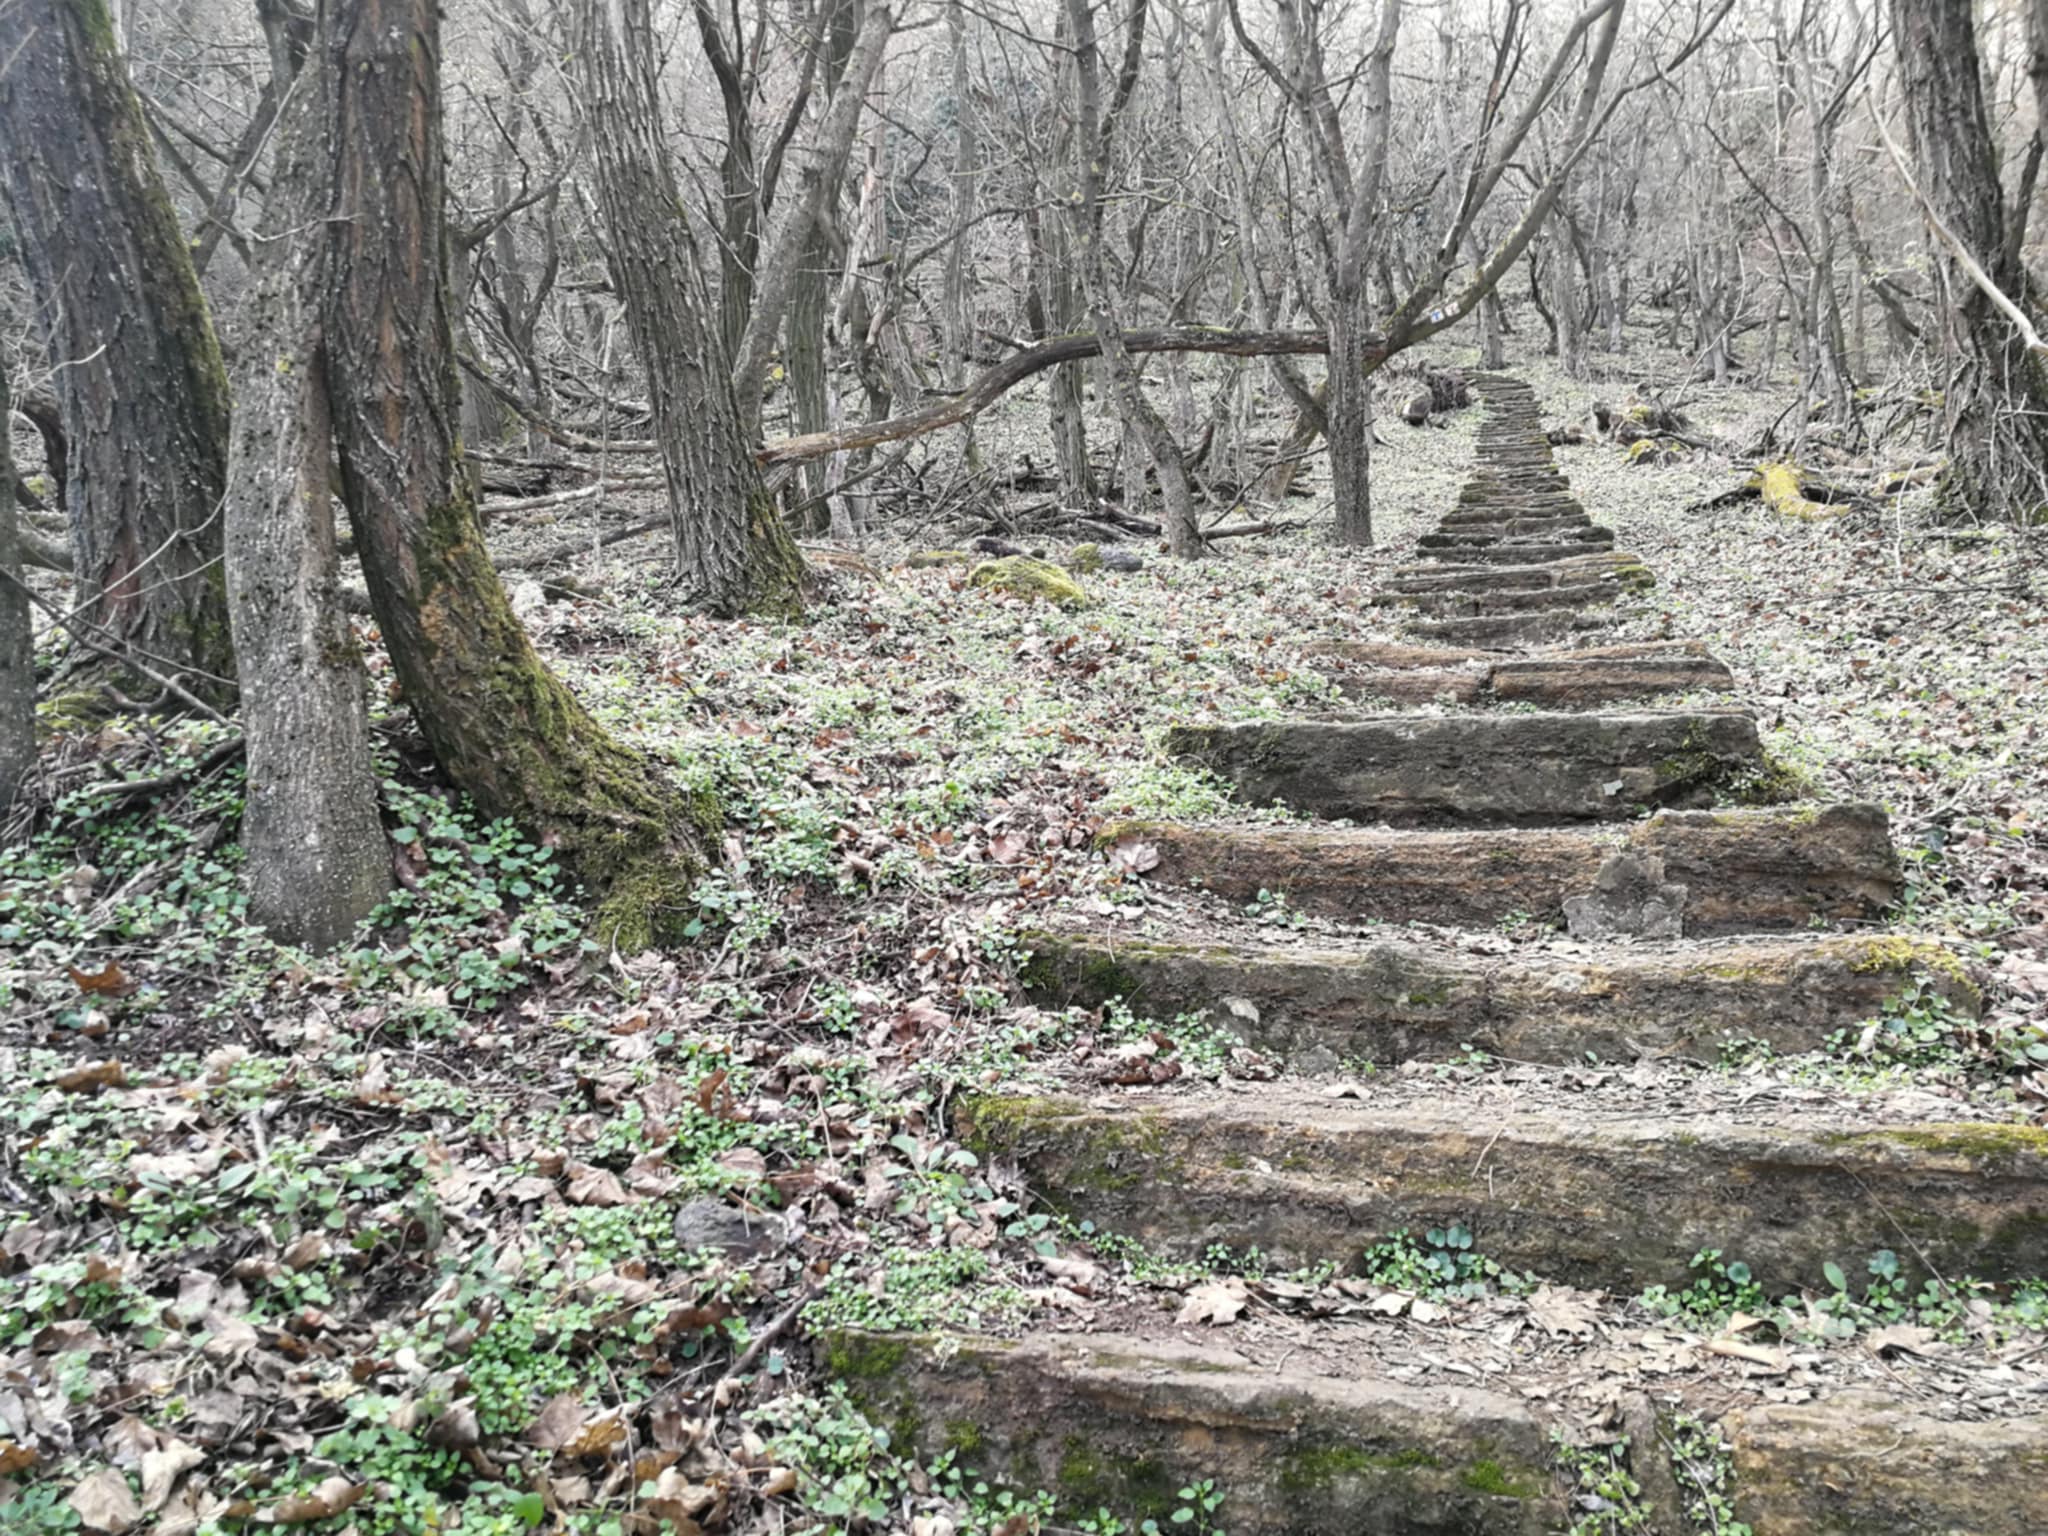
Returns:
(1514, 553)
(1744, 871)
(1460, 603)
(1121, 1422)
(1494, 519)
(1440, 576)
(1537, 626)
(1301, 1441)
(1511, 534)
(1393, 1001)
(1498, 769)
(1568, 680)
(1616, 1199)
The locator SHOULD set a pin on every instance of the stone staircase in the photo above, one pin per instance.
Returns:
(1604, 1161)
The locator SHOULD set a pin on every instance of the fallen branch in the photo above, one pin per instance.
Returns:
(569, 548)
(1005, 376)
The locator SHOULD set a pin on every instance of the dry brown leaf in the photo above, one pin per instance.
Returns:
(107, 981)
(162, 1467)
(558, 1422)
(591, 1185)
(104, 1503)
(1560, 1311)
(1215, 1302)
(1905, 1338)
(92, 1077)
(600, 1437)
(334, 1495)
(1771, 1359)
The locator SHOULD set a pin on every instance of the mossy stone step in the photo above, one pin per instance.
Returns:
(1513, 552)
(1297, 1447)
(1496, 769)
(1510, 535)
(1612, 1200)
(1387, 1002)
(1535, 626)
(1108, 1421)
(1442, 575)
(1778, 869)
(1463, 603)
(1569, 681)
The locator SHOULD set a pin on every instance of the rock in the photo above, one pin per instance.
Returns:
(1416, 412)
(1084, 559)
(1598, 1197)
(708, 1223)
(1026, 577)
(988, 544)
(1498, 769)
(1630, 898)
(1389, 1002)
(929, 559)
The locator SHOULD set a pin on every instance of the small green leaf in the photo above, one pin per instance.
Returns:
(531, 1509)
(1835, 1276)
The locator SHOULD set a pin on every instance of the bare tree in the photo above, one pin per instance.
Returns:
(502, 726)
(17, 632)
(143, 391)
(315, 857)
(1996, 399)
(731, 545)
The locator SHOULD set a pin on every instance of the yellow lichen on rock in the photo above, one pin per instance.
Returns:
(1029, 578)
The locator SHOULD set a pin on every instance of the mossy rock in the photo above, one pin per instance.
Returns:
(1027, 577)
(1084, 558)
(930, 559)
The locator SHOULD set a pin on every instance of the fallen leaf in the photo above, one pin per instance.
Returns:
(107, 981)
(104, 1503)
(92, 1077)
(162, 1467)
(1771, 1359)
(1905, 1338)
(1215, 1301)
(1561, 1311)
(329, 1499)
(591, 1185)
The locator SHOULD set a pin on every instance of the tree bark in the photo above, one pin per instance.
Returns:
(315, 858)
(732, 548)
(502, 727)
(1997, 399)
(143, 390)
(17, 631)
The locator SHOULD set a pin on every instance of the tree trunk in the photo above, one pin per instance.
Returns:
(143, 390)
(1348, 411)
(1183, 531)
(17, 633)
(501, 725)
(315, 858)
(1997, 399)
(731, 546)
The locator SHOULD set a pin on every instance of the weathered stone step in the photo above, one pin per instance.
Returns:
(1617, 1201)
(1301, 1446)
(1108, 1421)
(1437, 576)
(1453, 602)
(1494, 518)
(1510, 536)
(1568, 680)
(1500, 769)
(1744, 871)
(1513, 553)
(1388, 1002)
(1536, 626)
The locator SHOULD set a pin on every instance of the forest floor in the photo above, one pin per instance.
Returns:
(475, 1227)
